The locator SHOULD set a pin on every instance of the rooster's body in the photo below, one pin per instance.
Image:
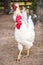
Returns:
(24, 33)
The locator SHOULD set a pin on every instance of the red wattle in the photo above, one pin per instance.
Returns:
(19, 23)
(18, 18)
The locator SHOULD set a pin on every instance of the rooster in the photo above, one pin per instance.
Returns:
(24, 33)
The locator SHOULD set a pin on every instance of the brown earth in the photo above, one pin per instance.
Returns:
(8, 46)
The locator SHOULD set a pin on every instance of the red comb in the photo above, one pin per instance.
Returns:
(14, 7)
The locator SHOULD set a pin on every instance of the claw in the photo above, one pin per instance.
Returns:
(19, 57)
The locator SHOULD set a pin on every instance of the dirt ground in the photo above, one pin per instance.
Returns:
(8, 46)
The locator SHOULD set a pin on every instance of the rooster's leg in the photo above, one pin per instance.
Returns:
(27, 52)
(20, 47)
(19, 56)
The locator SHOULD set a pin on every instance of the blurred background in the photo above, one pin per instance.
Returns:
(36, 6)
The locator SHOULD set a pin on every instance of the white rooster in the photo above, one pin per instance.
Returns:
(24, 34)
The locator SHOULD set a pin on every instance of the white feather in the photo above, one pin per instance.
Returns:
(25, 35)
(20, 47)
